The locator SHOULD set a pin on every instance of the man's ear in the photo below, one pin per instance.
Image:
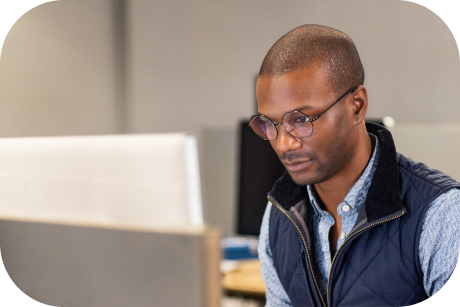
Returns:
(359, 104)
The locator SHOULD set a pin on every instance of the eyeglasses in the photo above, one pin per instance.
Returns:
(298, 124)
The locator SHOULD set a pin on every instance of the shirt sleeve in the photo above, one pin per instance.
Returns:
(440, 241)
(274, 291)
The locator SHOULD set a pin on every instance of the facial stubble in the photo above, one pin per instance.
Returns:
(337, 157)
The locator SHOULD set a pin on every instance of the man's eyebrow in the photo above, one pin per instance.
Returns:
(302, 109)
(305, 108)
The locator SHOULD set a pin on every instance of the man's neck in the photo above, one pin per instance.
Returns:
(333, 191)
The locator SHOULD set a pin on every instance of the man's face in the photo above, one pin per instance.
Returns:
(329, 149)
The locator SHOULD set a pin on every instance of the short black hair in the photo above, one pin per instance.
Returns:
(309, 45)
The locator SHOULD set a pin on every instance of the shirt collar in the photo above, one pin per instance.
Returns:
(357, 194)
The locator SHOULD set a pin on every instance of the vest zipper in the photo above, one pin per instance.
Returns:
(352, 235)
(304, 244)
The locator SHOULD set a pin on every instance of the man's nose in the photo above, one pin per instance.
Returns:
(285, 141)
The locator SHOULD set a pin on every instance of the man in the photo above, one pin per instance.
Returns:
(352, 222)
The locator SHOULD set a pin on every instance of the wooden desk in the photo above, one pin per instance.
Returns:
(245, 279)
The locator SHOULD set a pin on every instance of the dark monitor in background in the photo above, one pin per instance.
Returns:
(260, 167)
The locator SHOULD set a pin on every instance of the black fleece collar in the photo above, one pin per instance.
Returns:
(383, 195)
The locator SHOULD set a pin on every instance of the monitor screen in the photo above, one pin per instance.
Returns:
(260, 167)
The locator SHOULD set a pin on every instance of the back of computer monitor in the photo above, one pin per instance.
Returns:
(128, 179)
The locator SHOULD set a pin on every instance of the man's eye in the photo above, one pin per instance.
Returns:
(301, 119)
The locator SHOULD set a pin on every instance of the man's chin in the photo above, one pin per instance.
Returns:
(308, 178)
(301, 179)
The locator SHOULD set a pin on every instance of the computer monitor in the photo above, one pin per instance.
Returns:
(150, 179)
(259, 168)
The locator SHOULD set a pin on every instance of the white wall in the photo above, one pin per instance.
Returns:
(436, 145)
(194, 62)
(57, 71)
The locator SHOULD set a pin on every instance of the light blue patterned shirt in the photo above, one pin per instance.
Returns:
(438, 249)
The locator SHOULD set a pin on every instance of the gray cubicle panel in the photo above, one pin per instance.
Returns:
(74, 266)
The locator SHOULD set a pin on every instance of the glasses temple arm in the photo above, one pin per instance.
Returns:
(348, 92)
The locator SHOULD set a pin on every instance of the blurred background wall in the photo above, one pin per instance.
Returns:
(79, 67)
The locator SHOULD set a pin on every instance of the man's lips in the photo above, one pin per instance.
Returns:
(297, 165)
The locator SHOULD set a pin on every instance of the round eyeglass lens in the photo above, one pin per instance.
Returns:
(298, 124)
(263, 127)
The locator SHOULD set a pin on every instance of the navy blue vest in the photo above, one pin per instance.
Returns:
(378, 263)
